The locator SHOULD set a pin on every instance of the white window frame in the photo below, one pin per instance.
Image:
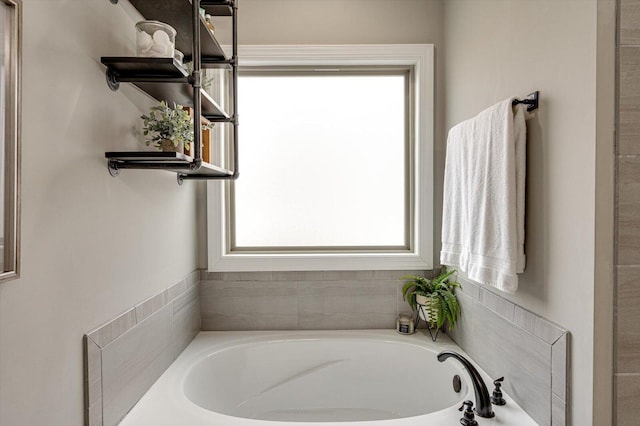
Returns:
(420, 256)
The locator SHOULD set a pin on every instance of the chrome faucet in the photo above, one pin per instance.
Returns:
(483, 401)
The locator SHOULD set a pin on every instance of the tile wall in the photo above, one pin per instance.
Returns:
(627, 332)
(322, 300)
(125, 356)
(529, 351)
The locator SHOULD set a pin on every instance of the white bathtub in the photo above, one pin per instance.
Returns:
(322, 377)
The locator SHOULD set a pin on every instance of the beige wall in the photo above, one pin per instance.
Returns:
(92, 245)
(490, 56)
(340, 21)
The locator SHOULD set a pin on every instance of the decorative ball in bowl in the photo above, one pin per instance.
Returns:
(155, 39)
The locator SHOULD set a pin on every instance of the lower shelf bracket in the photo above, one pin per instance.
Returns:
(112, 165)
(112, 80)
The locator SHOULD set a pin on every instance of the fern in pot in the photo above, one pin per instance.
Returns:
(436, 296)
(169, 129)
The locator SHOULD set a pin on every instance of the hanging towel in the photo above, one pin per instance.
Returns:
(483, 204)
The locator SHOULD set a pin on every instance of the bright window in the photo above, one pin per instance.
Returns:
(329, 169)
(335, 158)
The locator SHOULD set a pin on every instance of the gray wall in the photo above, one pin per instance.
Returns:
(92, 245)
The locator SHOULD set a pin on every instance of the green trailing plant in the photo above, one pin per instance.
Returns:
(443, 304)
(166, 123)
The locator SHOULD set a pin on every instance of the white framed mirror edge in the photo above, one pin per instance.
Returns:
(12, 149)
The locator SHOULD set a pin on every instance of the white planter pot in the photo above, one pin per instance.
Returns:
(425, 315)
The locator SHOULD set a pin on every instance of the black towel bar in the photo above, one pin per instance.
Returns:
(531, 101)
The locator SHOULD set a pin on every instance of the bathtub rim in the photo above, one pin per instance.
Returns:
(165, 404)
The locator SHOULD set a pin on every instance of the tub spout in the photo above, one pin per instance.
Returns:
(483, 400)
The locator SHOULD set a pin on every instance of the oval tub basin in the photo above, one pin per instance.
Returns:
(319, 378)
(328, 379)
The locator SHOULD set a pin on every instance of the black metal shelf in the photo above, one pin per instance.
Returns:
(182, 94)
(217, 7)
(163, 79)
(166, 80)
(184, 165)
(131, 66)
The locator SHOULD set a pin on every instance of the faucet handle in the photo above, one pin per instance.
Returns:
(497, 398)
(468, 417)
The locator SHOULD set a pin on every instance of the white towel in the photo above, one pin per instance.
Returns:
(483, 205)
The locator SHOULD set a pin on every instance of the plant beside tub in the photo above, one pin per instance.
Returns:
(434, 299)
(169, 129)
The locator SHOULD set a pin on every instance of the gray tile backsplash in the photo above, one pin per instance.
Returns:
(290, 300)
(502, 349)
(559, 412)
(330, 305)
(133, 362)
(150, 306)
(559, 364)
(125, 356)
(525, 319)
(93, 382)
(186, 319)
(114, 329)
(497, 304)
(249, 305)
(176, 289)
(507, 340)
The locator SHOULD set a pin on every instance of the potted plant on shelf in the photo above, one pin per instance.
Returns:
(169, 129)
(434, 299)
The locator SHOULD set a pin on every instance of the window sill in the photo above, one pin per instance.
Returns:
(239, 262)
